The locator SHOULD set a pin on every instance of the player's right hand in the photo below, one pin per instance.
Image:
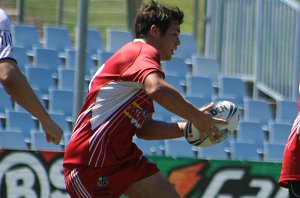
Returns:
(206, 124)
(53, 132)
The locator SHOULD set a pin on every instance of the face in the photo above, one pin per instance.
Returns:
(168, 43)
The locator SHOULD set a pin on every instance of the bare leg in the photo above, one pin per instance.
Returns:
(154, 186)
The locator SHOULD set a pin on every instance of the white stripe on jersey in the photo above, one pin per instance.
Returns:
(296, 123)
(5, 45)
(294, 129)
(80, 118)
(105, 114)
(95, 75)
(77, 186)
(95, 135)
(5, 36)
(110, 98)
(108, 135)
(103, 136)
(118, 117)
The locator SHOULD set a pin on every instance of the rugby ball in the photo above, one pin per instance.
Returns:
(223, 109)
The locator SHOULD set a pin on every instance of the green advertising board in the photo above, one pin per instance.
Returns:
(222, 178)
(40, 174)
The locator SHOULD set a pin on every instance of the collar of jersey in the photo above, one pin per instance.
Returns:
(139, 40)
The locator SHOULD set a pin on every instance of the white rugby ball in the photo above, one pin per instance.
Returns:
(225, 110)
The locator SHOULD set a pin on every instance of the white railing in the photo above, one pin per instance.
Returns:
(258, 40)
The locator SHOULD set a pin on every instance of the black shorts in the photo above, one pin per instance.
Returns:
(294, 189)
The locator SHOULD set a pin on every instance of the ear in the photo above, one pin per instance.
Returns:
(154, 31)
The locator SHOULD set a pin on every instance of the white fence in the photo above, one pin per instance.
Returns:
(258, 40)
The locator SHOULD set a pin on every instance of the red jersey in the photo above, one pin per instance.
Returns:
(291, 158)
(114, 109)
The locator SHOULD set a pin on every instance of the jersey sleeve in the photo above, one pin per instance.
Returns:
(145, 68)
(5, 37)
(146, 62)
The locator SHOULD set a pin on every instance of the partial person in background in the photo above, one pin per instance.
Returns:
(18, 87)
(290, 173)
(100, 159)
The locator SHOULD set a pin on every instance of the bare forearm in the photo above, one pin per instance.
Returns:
(168, 97)
(28, 100)
(19, 89)
(158, 130)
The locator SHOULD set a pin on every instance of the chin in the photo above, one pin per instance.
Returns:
(167, 58)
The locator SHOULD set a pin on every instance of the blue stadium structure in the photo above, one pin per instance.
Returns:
(198, 78)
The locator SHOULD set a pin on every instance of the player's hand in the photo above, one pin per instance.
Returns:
(206, 123)
(53, 132)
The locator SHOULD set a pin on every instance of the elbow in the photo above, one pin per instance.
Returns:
(8, 79)
(139, 135)
(154, 91)
(142, 136)
(9, 74)
(154, 85)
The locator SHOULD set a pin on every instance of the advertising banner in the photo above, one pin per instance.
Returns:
(222, 178)
(31, 174)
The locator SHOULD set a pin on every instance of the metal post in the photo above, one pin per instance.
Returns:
(196, 16)
(257, 64)
(202, 49)
(296, 61)
(220, 33)
(129, 15)
(132, 6)
(20, 8)
(81, 35)
(60, 8)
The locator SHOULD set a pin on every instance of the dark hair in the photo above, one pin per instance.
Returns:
(156, 14)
